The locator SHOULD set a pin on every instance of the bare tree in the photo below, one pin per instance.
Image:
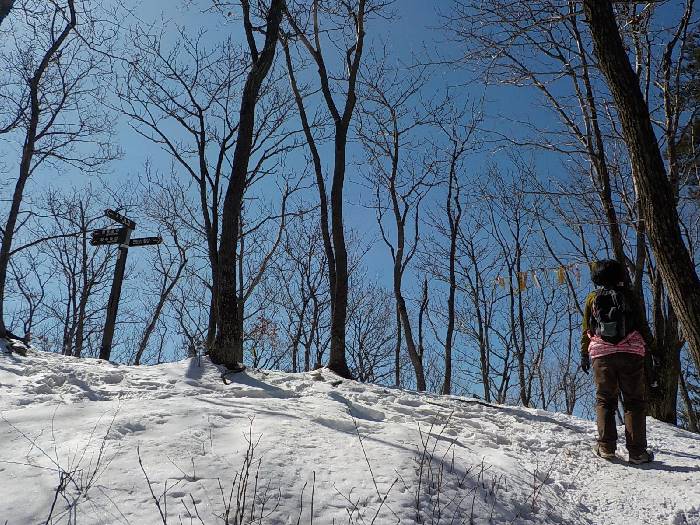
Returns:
(190, 313)
(690, 395)
(183, 98)
(304, 299)
(58, 71)
(29, 284)
(349, 21)
(79, 270)
(228, 346)
(400, 179)
(259, 246)
(511, 227)
(457, 133)
(186, 97)
(168, 263)
(475, 319)
(371, 335)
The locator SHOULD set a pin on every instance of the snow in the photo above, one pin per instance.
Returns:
(349, 452)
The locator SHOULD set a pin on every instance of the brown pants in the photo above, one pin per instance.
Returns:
(612, 374)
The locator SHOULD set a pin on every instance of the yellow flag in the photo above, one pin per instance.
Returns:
(561, 275)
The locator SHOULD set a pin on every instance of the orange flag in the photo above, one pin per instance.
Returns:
(522, 281)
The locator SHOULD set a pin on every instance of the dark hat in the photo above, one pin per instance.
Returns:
(607, 273)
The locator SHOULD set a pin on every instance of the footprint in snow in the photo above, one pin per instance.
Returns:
(121, 430)
(113, 378)
(341, 425)
(358, 411)
(407, 401)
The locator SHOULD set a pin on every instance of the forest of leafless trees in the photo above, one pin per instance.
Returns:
(327, 198)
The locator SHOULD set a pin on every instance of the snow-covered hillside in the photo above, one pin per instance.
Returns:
(326, 451)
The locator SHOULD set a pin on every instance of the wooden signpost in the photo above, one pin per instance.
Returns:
(122, 237)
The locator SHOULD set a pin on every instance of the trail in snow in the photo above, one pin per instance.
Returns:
(491, 464)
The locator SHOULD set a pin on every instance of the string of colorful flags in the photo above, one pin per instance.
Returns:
(537, 276)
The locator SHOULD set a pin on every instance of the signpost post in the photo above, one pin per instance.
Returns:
(122, 237)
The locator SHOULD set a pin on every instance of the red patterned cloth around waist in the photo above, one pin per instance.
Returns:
(632, 344)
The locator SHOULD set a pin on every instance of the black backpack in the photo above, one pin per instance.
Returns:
(610, 315)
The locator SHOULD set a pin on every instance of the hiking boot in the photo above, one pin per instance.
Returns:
(645, 457)
(601, 452)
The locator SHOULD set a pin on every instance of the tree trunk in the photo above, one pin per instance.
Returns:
(24, 172)
(664, 399)
(482, 321)
(399, 262)
(520, 344)
(339, 284)
(86, 289)
(655, 191)
(416, 358)
(296, 340)
(214, 299)
(5, 7)
(82, 317)
(228, 347)
(337, 361)
(397, 351)
(240, 304)
(420, 351)
(693, 424)
(454, 220)
(318, 171)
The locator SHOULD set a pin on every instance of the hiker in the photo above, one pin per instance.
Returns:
(612, 342)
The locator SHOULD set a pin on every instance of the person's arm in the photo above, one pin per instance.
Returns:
(585, 337)
(585, 326)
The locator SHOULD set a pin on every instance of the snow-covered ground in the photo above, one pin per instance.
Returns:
(326, 451)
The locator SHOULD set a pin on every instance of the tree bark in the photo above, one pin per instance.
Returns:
(693, 424)
(413, 349)
(454, 219)
(663, 401)
(228, 346)
(397, 351)
(5, 7)
(337, 361)
(655, 191)
(520, 342)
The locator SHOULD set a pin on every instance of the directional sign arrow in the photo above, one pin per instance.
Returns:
(118, 217)
(106, 232)
(144, 241)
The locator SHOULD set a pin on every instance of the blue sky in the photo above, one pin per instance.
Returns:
(416, 31)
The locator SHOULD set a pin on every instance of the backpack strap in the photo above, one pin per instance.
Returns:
(592, 321)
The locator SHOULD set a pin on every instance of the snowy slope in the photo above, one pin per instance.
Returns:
(477, 464)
